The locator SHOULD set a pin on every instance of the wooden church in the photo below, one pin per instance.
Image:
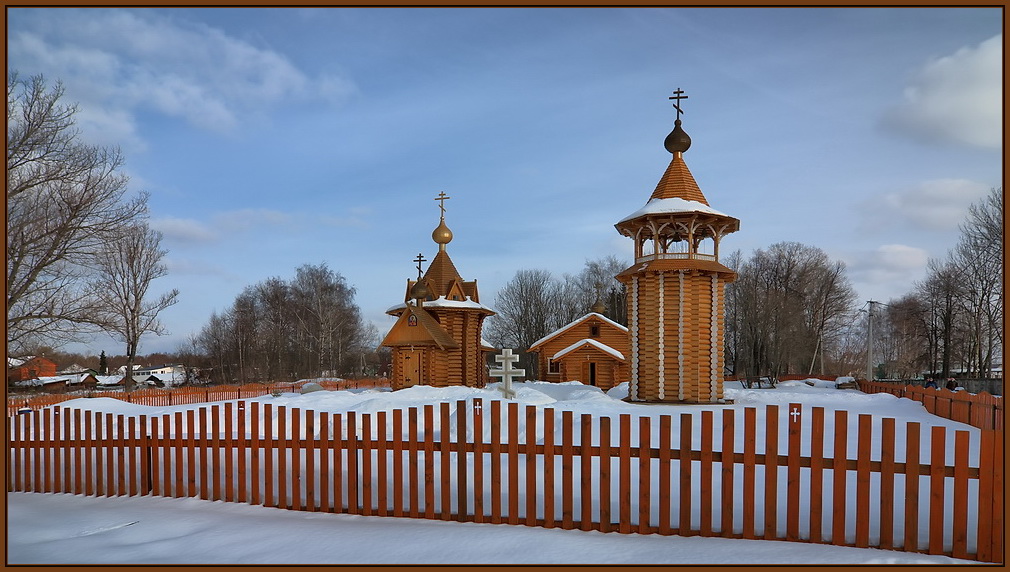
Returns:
(592, 349)
(436, 339)
(676, 286)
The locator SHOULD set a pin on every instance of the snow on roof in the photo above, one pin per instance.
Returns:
(594, 343)
(672, 205)
(43, 381)
(441, 302)
(575, 323)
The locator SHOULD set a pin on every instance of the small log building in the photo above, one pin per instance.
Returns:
(592, 349)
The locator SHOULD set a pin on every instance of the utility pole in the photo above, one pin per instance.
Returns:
(869, 342)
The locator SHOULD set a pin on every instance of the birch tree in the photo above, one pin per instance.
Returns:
(127, 267)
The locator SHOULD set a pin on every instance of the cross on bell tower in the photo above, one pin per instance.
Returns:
(678, 95)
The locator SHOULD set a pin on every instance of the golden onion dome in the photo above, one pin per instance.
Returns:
(599, 307)
(419, 291)
(442, 234)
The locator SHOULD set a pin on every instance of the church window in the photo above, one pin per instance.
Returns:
(553, 366)
(594, 331)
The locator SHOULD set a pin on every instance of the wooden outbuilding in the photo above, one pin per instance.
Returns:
(31, 367)
(437, 339)
(592, 349)
(676, 287)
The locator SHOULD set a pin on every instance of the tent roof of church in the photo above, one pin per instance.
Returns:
(441, 273)
(678, 182)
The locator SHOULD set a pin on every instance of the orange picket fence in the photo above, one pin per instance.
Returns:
(980, 410)
(186, 395)
(791, 473)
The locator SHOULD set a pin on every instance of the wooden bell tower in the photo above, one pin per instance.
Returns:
(676, 287)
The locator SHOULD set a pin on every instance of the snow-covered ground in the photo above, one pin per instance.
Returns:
(68, 529)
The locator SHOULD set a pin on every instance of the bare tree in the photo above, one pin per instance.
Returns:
(64, 200)
(788, 307)
(128, 266)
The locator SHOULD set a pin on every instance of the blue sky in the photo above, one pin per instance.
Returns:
(269, 138)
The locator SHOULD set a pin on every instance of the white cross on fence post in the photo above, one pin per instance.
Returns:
(506, 372)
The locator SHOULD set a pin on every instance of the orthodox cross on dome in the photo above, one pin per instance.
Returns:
(507, 371)
(420, 258)
(678, 95)
(441, 198)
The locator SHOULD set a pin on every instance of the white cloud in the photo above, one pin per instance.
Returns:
(938, 205)
(183, 230)
(247, 219)
(956, 99)
(118, 63)
(888, 271)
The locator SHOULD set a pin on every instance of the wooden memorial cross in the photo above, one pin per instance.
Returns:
(507, 372)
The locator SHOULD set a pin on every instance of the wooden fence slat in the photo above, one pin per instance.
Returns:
(204, 488)
(191, 468)
(665, 485)
(887, 476)
(838, 479)
(121, 456)
(338, 462)
(295, 445)
(706, 501)
(567, 468)
(586, 471)
(366, 464)
(444, 479)
(604, 474)
(624, 474)
(937, 445)
(248, 412)
(68, 449)
(864, 438)
(749, 463)
(268, 446)
(110, 456)
(397, 462)
(382, 482)
(959, 537)
(794, 424)
(644, 474)
(282, 445)
(496, 482)
(215, 454)
(311, 449)
(80, 439)
(728, 478)
(549, 520)
(230, 446)
(531, 465)
(429, 461)
(478, 407)
(911, 536)
(412, 465)
(323, 444)
(685, 475)
(46, 464)
(771, 472)
(985, 495)
(353, 448)
(512, 408)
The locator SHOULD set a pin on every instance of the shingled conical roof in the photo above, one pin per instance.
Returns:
(678, 182)
(441, 274)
